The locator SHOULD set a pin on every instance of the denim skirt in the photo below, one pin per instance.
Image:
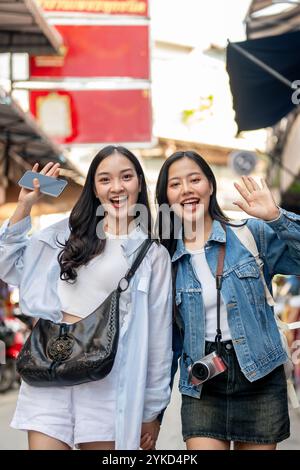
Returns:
(233, 409)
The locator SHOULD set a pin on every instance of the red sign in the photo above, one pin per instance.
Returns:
(97, 51)
(97, 116)
(106, 7)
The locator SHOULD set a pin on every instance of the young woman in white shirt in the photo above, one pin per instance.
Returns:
(66, 271)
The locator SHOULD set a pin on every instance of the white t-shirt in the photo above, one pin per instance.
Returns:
(209, 295)
(96, 280)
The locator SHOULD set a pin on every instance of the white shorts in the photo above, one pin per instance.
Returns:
(74, 415)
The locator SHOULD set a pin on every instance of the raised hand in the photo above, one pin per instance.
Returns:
(27, 196)
(257, 201)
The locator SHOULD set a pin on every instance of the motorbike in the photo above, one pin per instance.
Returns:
(12, 340)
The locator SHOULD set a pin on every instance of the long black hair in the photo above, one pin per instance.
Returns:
(214, 209)
(83, 243)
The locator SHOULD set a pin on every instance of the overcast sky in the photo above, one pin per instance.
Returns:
(199, 22)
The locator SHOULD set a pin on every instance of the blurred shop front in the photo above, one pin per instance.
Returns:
(22, 143)
(100, 87)
(24, 29)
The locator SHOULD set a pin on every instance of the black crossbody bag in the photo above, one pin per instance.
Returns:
(61, 354)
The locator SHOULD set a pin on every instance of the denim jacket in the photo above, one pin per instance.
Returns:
(251, 321)
(145, 351)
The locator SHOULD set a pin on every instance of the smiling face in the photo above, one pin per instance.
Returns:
(117, 185)
(188, 190)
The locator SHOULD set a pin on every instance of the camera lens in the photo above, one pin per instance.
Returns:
(200, 371)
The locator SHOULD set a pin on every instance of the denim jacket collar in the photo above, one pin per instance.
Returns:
(61, 232)
(217, 234)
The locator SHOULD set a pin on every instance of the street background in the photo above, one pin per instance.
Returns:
(169, 438)
(156, 80)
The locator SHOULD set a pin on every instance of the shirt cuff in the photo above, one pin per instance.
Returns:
(277, 218)
(7, 232)
(281, 221)
(149, 418)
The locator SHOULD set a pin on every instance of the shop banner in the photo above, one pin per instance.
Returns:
(94, 116)
(106, 7)
(97, 51)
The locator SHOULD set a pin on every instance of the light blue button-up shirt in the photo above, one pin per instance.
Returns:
(145, 350)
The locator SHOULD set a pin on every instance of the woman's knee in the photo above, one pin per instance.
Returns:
(206, 443)
(40, 441)
(104, 445)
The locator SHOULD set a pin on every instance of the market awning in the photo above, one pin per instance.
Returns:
(23, 28)
(263, 20)
(22, 143)
(263, 95)
(21, 134)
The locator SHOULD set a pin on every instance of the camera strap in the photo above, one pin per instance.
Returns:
(219, 280)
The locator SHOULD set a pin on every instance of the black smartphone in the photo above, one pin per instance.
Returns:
(48, 184)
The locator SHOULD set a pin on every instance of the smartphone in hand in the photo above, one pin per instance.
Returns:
(48, 185)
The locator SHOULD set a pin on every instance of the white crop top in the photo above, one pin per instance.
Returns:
(96, 280)
(209, 294)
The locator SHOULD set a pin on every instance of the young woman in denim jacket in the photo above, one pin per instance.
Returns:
(246, 403)
(65, 272)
